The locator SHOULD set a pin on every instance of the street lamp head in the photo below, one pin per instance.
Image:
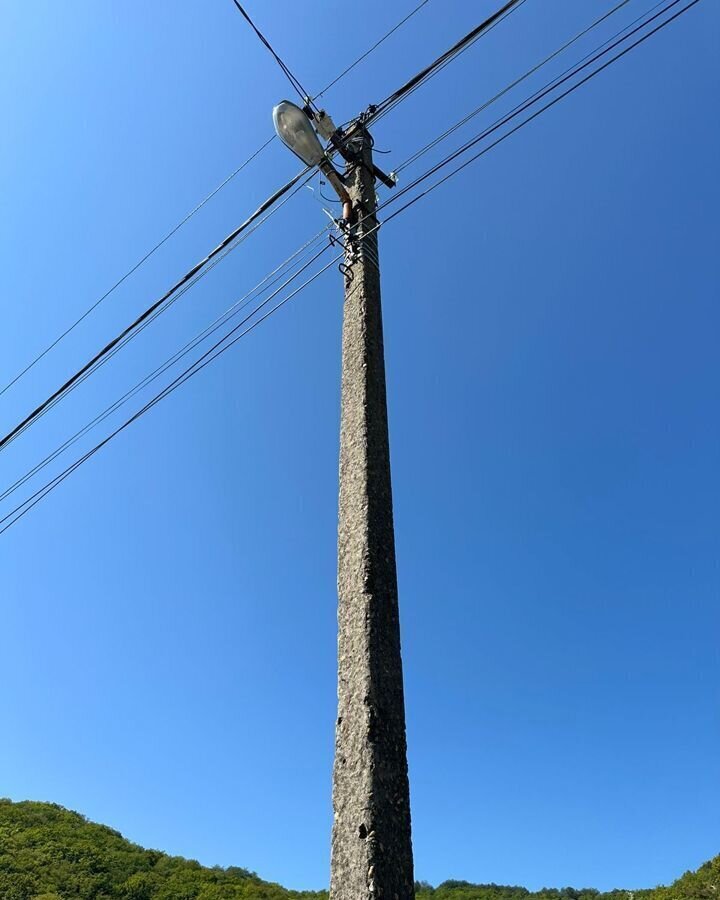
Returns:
(295, 131)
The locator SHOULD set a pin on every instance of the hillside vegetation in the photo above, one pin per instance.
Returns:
(50, 853)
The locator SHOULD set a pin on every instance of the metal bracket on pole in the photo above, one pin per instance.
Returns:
(387, 180)
(351, 152)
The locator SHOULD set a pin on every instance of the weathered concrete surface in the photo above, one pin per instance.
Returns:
(371, 844)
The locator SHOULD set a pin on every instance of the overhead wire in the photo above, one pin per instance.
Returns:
(297, 86)
(135, 267)
(220, 321)
(436, 168)
(156, 305)
(193, 212)
(513, 84)
(184, 376)
(396, 97)
(378, 110)
(537, 96)
(180, 293)
(372, 49)
(14, 515)
(267, 282)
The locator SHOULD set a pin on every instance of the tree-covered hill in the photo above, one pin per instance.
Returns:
(50, 853)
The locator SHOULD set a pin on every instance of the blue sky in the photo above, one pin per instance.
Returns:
(168, 614)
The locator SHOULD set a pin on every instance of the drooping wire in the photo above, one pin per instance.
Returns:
(297, 86)
(22, 509)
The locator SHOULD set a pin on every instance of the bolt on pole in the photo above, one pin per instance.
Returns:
(371, 838)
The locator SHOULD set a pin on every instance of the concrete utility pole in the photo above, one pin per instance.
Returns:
(371, 845)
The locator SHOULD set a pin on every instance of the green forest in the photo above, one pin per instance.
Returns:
(50, 853)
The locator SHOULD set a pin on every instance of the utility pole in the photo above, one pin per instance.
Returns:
(371, 843)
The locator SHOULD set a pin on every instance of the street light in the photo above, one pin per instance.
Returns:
(295, 130)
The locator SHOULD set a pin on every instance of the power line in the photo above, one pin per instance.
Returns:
(116, 342)
(376, 112)
(378, 109)
(145, 315)
(267, 282)
(200, 275)
(190, 284)
(193, 211)
(395, 98)
(515, 83)
(304, 95)
(554, 82)
(87, 368)
(535, 98)
(413, 158)
(372, 49)
(14, 515)
(135, 267)
(435, 72)
(209, 356)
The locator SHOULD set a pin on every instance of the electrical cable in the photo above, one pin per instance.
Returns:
(445, 57)
(518, 81)
(375, 118)
(395, 98)
(86, 370)
(195, 210)
(31, 417)
(304, 95)
(373, 48)
(543, 93)
(192, 370)
(14, 515)
(115, 342)
(327, 199)
(190, 284)
(229, 313)
(135, 267)
(374, 113)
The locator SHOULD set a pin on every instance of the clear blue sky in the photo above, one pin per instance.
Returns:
(168, 614)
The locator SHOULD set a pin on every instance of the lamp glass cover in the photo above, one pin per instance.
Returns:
(295, 131)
